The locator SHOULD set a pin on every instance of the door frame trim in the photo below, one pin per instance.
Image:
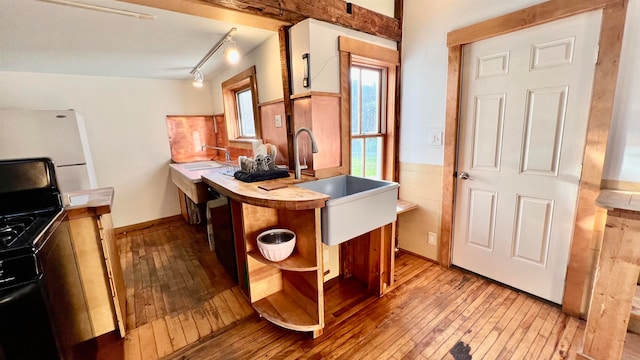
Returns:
(581, 263)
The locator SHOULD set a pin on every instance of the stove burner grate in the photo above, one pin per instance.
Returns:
(11, 227)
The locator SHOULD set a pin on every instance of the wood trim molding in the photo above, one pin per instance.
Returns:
(147, 224)
(272, 14)
(367, 54)
(581, 261)
(614, 14)
(244, 80)
(285, 71)
(368, 50)
(271, 102)
(525, 18)
(450, 154)
(345, 111)
(314, 93)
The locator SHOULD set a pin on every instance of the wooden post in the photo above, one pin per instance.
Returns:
(614, 287)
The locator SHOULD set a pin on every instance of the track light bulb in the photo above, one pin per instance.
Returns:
(198, 79)
(231, 51)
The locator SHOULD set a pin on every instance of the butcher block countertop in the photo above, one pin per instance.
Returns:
(619, 200)
(277, 193)
(99, 199)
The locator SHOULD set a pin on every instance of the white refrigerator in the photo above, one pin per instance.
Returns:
(59, 135)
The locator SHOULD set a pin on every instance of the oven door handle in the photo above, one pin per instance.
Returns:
(18, 294)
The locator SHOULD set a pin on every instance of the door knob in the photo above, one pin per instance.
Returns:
(465, 176)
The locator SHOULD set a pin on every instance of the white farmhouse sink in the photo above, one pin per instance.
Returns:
(357, 206)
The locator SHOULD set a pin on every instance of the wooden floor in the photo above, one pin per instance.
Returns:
(432, 313)
(168, 269)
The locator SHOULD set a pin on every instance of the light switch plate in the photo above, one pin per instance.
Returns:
(434, 138)
(278, 121)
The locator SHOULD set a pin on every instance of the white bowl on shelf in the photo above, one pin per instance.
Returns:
(276, 244)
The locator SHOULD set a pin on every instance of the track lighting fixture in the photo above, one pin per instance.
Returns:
(101, 8)
(230, 52)
(198, 80)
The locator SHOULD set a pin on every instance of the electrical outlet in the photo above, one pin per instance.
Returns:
(278, 121)
(433, 238)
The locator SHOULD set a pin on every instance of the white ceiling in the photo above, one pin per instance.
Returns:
(37, 36)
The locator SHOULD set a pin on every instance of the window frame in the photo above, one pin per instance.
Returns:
(382, 116)
(354, 51)
(245, 80)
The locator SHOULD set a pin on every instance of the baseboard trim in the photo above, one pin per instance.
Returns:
(147, 224)
(418, 255)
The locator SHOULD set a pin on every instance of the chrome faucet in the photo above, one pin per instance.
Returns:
(314, 149)
(227, 154)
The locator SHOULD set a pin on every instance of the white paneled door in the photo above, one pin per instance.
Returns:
(523, 119)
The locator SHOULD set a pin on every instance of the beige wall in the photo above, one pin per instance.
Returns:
(126, 127)
(421, 184)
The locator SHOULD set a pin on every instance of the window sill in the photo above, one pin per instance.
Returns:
(249, 144)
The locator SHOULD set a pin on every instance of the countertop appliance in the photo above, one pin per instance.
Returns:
(58, 135)
(43, 314)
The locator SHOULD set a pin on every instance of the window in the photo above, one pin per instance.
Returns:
(368, 97)
(246, 121)
(240, 97)
(367, 121)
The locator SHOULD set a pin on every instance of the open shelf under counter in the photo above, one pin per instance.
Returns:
(295, 262)
(280, 309)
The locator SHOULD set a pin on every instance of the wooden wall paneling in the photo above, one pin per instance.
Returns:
(581, 264)
(450, 154)
(360, 260)
(376, 266)
(302, 118)
(325, 115)
(272, 134)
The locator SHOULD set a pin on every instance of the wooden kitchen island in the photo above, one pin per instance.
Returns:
(290, 293)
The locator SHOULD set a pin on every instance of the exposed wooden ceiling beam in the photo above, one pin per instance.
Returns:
(272, 14)
(204, 9)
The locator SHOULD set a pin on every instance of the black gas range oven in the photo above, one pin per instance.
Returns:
(42, 308)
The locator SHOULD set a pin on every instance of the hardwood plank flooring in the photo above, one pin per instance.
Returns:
(182, 305)
(168, 269)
